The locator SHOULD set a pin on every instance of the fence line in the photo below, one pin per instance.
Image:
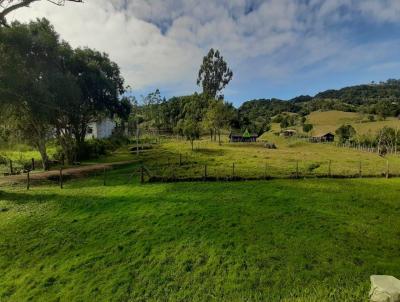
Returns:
(185, 168)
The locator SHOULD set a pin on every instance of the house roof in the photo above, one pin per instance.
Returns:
(323, 134)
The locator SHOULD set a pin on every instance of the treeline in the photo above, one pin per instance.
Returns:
(49, 90)
(382, 99)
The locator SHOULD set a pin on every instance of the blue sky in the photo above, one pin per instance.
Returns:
(276, 48)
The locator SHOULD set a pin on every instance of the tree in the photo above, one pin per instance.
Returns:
(100, 86)
(193, 117)
(218, 116)
(284, 122)
(8, 6)
(214, 74)
(388, 139)
(307, 127)
(28, 73)
(345, 133)
(51, 86)
(152, 109)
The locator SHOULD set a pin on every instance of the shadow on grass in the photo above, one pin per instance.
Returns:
(188, 236)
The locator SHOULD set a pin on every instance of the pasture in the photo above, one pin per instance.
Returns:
(282, 240)
(329, 121)
(299, 240)
(175, 157)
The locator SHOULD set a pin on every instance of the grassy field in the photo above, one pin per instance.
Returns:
(282, 240)
(329, 121)
(253, 160)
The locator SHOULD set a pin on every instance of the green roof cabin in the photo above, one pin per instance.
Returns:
(246, 137)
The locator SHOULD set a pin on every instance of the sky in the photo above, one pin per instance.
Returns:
(276, 48)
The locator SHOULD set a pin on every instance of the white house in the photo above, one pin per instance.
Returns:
(100, 129)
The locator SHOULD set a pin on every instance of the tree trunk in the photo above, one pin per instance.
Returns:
(211, 134)
(67, 144)
(41, 146)
(191, 142)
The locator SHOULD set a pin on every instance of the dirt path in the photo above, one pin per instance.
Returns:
(75, 172)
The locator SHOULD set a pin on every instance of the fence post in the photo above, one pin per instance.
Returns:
(329, 168)
(205, 172)
(360, 170)
(265, 171)
(33, 164)
(233, 171)
(28, 184)
(61, 178)
(104, 176)
(387, 169)
(173, 173)
(11, 167)
(141, 174)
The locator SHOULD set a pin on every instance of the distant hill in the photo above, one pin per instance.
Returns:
(382, 99)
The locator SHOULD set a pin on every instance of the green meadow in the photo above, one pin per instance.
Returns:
(281, 240)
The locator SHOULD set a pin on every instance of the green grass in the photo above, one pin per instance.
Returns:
(282, 240)
(20, 155)
(329, 121)
(253, 160)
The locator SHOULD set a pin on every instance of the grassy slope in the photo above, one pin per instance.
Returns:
(329, 121)
(312, 240)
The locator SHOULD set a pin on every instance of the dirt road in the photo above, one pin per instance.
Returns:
(75, 172)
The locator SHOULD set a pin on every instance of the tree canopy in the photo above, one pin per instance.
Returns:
(214, 74)
(52, 87)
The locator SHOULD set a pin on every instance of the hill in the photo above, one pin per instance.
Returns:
(381, 99)
(329, 121)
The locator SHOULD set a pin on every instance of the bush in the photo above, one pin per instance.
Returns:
(307, 127)
(313, 167)
(95, 148)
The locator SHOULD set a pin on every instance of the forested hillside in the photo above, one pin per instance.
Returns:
(382, 99)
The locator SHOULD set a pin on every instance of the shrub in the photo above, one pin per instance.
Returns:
(313, 166)
(307, 127)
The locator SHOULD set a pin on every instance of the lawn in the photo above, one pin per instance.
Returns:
(281, 240)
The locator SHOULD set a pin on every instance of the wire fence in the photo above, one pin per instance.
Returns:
(186, 171)
(183, 168)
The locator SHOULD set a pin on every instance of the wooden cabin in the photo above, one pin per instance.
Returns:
(243, 138)
(323, 138)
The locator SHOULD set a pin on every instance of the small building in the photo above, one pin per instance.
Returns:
(246, 137)
(103, 128)
(288, 133)
(323, 138)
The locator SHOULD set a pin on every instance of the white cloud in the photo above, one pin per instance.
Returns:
(161, 42)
